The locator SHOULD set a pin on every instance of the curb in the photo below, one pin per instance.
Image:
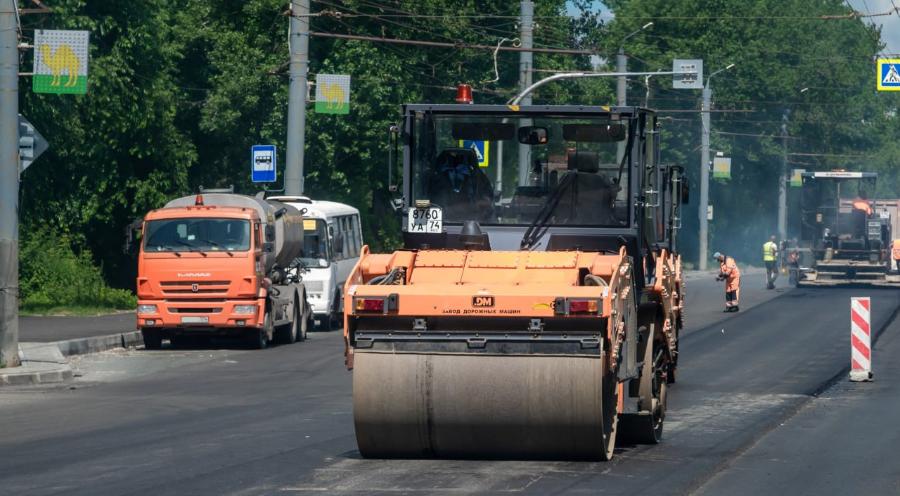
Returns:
(42, 363)
(96, 344)
(30, 377)
(45, 363)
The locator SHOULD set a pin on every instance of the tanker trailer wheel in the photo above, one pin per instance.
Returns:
(287, 333)
(303, 319)
(295, 330)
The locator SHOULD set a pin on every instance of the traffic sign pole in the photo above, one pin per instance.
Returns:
(9, 185)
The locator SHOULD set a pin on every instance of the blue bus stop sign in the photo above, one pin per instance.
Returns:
(262, 163)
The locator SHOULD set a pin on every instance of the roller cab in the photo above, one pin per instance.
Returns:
(535, 308)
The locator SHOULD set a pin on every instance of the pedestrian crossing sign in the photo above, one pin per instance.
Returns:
(888, 74)
(482, 150)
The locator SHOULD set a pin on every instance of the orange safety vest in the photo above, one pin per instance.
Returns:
(862, 205)
(732, 274)
(895, 249)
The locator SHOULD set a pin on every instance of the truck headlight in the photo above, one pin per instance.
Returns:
(145, 309)
(245, 309)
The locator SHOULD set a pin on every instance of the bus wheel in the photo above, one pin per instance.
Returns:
(336, 317)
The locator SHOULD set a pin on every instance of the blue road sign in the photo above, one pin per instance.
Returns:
(262, 163)
(482, 150)
(888, 74)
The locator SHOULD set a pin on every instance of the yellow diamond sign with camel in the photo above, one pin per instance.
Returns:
(60, 61)
(332, 94)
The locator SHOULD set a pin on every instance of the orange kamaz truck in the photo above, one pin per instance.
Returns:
(535, 308)
(221, 264)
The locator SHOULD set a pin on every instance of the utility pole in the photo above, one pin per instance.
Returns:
(704, 177)
(621, 85)
(703, 208)
(298, 42)
(526, 59)
(9, 184)
(783, 179)
(621, 98)
(621, 88)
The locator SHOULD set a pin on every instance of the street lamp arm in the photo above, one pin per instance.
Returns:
(645, 26)
(576, 75)
(729, 66)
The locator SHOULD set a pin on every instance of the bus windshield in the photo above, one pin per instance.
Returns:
(507, 170)
(197, 234)
(316, 248)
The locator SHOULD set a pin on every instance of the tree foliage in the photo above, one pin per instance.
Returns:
(792, 67)
(179, 91)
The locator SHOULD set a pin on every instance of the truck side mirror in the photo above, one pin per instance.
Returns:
(270, 232)
(685, 193)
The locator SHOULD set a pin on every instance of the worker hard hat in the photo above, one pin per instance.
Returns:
(717, 255)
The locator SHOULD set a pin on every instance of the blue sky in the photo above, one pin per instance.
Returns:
(890, 25)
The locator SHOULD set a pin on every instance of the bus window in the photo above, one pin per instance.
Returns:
(348, 236)
(337, 255)
(354, 233)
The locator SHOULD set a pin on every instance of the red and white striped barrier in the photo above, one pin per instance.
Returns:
(860, 339)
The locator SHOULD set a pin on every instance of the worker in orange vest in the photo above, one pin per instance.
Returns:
(729, 272)
(862, 204)
(895, 253)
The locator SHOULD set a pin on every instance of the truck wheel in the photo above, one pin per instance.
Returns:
(289, 333)
(259, 338)
(304, 319)
(152, 339)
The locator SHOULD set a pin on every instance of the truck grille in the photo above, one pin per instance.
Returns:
(206, 288)
(196, 310)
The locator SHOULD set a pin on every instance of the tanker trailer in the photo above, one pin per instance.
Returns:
(534, 311)
(222, 264)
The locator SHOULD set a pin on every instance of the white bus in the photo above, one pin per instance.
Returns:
(332, 239)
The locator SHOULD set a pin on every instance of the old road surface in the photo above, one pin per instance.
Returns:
(762, 406)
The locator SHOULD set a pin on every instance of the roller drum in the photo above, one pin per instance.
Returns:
(414, 405)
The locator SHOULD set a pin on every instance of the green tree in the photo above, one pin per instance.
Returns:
(116, 152)
(780, 48)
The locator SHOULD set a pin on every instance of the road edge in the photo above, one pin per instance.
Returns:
(46, 363)
(96, 344)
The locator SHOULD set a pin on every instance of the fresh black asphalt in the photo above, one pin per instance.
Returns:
(233, 421)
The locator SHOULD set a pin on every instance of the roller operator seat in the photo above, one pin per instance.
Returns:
(592, 196)
(460, 187)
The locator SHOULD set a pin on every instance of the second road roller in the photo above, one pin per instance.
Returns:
(535, 308)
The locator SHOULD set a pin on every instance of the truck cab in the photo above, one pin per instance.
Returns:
(211, 269)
